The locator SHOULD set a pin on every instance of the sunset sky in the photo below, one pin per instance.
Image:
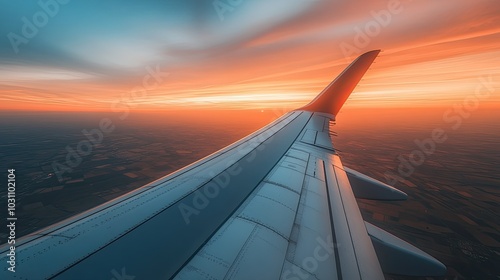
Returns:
(253, 54)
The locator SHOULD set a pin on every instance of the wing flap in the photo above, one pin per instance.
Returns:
(358, 257)
(399, 257)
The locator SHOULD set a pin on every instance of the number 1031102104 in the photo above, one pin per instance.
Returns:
(11, 191)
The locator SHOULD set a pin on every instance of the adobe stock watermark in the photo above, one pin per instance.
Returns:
(31, 27)
(454, 117)
(370, 29)
(323, 250)
(129, 100)
(76, 153)
(204, 195)
(121, 276)
(201, 198)
(225, 6)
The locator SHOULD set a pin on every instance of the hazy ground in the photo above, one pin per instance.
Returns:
(454, 192)
(454, 195)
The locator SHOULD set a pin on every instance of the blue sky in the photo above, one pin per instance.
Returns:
(103, 37)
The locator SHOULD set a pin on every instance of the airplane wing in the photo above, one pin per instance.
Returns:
(277, 204)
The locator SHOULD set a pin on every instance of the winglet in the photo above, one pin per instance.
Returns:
(331, 99)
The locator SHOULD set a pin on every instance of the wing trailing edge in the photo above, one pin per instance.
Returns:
(331, 99)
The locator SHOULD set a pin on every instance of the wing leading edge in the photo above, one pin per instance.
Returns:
(277, 204)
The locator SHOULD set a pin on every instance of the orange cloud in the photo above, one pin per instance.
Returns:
(435, 53)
